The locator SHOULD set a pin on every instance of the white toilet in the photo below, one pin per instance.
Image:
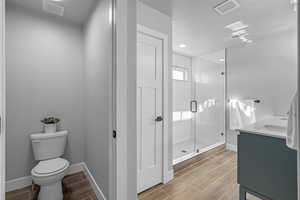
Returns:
(49, 172)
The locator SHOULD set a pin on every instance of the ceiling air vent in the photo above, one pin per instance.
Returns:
(226, 7)
(53, 8)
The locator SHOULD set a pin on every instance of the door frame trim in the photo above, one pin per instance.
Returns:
(124, 97)
(298, 90)
(2, 114)
(167, 174)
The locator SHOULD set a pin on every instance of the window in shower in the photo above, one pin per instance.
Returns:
(180, 74)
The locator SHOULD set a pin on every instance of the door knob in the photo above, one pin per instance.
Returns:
(159, 119)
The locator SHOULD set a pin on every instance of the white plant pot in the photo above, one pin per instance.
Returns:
(50, 128)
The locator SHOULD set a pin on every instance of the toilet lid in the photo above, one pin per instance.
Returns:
(50, 166)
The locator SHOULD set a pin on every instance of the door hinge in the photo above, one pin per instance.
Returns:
(114, 134)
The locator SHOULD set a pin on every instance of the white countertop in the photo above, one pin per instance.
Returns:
(272, 127)
(276, 134)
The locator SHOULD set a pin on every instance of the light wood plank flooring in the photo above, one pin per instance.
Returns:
(208, 176)
(75, 186)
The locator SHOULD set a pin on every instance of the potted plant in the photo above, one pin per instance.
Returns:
(50, 124)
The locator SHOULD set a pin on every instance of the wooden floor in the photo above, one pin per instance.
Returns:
(75, 186)
(209, 176)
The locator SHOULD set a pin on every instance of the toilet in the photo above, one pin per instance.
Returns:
(51, 169)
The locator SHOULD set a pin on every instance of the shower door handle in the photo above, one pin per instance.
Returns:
(194, 106)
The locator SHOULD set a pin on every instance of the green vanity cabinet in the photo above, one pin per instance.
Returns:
(267, 168)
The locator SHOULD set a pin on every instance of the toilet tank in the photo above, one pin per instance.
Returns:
(48, 145)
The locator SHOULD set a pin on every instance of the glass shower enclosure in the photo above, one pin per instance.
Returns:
(198, 104)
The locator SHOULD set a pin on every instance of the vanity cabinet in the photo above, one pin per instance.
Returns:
(267, 168)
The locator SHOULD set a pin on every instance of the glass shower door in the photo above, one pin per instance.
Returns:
(183, 119)
(209, 91)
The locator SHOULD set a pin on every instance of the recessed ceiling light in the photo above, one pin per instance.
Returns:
(182, 45)
(57, 0)
(221, 59)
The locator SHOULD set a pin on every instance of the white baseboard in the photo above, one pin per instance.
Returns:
(23, 182)
(75, 168)
(18, 183)
(211, 147)
(26, 181)
(186, 157)
(231, 147)
(96, 188)
(169, 176)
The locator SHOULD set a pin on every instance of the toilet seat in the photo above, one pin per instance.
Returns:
(50, 167)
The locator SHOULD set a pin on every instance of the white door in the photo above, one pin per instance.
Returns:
(183, 119)
(149, 111)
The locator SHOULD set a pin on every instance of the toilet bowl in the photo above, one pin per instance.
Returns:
(48, 175)
(51, 169)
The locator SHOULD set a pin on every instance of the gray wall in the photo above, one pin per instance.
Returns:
(61, 69)
(44, 77)
(149, 17)
(267, 70)
(97, 102)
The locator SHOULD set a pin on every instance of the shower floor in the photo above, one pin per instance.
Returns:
(183, 148)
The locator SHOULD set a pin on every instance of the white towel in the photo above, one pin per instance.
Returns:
(241, 113)
(292, 129)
